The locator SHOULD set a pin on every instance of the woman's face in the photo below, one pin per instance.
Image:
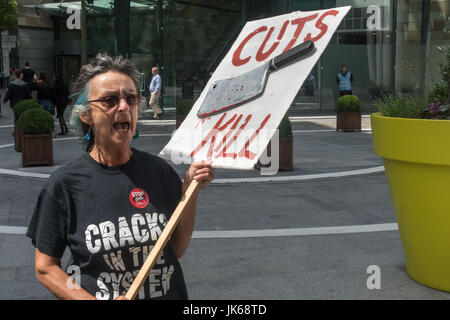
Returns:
(114, 124)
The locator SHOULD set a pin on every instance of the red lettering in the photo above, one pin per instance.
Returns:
(322, 26)
(300, 22)
(212, 136)
(201, 121)
(232, 154)
(225, 138)
(283, 29)
(260, 56)
(247, 153)
(237, 60)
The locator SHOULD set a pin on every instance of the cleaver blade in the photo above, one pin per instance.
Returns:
(229, 93)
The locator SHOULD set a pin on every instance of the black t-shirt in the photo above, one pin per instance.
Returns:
(61, 94)
(110, 217)
(45, 92)
(28, 75)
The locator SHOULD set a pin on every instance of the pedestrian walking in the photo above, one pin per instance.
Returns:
(344, 80)
(11, 74)
(45, 93)
(110, 205)
(17, 91)
(155, 92)
(61, 98)
(28, 76)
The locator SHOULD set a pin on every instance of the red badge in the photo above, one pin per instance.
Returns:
(139, 198)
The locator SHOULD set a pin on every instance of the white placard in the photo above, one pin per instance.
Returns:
(237, 137)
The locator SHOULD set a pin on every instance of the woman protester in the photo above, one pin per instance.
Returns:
(110, 205)
(45, 92)
(61, 96)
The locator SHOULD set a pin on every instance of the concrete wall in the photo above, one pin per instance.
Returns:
(36, 46)
(35, 36)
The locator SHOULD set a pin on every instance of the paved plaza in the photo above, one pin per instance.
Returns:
(307, 234)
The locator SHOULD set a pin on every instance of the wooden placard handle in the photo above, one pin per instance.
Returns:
(161, 242)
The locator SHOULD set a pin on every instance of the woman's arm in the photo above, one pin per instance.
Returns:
(49, 273)
(204, 173)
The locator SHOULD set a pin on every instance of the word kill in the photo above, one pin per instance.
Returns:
(227, 141)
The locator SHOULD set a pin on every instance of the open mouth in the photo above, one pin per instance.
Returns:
(122, 126)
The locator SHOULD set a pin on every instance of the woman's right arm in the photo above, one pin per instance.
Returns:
(49, 273)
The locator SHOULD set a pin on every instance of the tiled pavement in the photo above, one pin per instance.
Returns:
(292, 267)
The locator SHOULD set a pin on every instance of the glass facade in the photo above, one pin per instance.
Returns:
(420, 29)
(185, 39)
(387, 44)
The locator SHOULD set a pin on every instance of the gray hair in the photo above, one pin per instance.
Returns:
(102, 63)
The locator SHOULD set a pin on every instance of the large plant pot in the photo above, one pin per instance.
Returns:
(17, 137)
(286, 155)
(37, 149)
(416, 158)
(179, 120)
(348, 121)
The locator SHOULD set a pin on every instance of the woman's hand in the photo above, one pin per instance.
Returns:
(200, 171)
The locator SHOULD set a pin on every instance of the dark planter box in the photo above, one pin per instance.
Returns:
(17, 137)
(179, 120)
(286, 155)
(37, 150)
(348, 121)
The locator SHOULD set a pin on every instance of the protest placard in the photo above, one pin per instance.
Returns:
(236, 137)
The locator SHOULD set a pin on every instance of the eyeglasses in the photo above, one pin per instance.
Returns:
(113, 100)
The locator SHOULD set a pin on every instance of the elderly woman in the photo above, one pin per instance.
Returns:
(109, 206)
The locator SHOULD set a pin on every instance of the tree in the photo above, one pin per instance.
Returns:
(8, 15)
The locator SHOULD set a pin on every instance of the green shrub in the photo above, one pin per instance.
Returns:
(184, 106)
(438, 92)
(23, 106)
(285, 127)
(36, 121)
(402, 106)
(348, 103)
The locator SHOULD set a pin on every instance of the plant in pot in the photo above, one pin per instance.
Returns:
(411, 134)
(348, 116)
(285, 145)
(18, 109)
(37, 140)
(183, 107)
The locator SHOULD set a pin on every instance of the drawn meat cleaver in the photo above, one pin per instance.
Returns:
(229, 93)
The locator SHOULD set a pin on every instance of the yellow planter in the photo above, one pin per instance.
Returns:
(416, 156)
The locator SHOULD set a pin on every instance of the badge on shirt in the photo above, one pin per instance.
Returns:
(139, 198)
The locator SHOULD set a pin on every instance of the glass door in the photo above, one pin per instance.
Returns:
(68, 66)
(310, 94)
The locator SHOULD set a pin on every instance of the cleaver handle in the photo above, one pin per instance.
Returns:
(292, 54)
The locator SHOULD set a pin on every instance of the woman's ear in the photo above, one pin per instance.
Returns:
(86, 117)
